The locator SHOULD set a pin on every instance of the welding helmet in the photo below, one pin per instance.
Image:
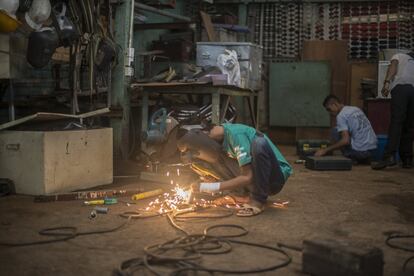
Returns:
(41, 46)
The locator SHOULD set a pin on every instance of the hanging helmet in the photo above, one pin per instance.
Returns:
(41, 46)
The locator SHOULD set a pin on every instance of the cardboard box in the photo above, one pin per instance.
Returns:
(47, 162)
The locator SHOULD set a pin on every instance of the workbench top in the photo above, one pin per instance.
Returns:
(186, 84)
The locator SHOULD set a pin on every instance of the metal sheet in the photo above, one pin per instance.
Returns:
(45, 116)
(249, 55)
(296, 93)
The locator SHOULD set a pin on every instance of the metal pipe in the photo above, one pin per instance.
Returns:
(164, 13)
(12, 116)
(131, 25)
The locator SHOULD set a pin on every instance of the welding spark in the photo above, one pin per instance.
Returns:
(170, 201)
(181, 193)
(177, 199)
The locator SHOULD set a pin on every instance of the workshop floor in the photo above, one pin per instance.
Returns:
(358, 204)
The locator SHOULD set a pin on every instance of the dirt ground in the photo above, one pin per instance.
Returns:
(361, 204)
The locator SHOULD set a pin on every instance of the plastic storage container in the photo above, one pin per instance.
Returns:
(379, 152)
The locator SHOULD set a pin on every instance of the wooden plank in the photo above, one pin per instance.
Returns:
(208, 25)
(358, 71)
(335, 52)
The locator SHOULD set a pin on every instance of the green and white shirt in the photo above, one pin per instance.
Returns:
(237, 141)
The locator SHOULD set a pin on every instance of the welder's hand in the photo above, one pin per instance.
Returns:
(209, 187)
(321, 152)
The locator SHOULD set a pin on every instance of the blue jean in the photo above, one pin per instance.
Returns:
(349, 152)
(268, 178)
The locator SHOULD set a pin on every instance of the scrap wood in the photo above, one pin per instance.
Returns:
(48, 116)
(208, 25)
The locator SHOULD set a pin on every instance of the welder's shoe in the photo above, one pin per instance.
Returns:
(249, 210)
(386, 162)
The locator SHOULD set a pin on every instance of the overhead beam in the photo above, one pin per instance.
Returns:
(163, 26)
(286, 1)
(144, 7)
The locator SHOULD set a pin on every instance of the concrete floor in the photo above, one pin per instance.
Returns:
(358, 204)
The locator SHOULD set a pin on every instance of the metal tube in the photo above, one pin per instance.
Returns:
(12, 116)
(164, 13)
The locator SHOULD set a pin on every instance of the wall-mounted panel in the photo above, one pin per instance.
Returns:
(296, 93)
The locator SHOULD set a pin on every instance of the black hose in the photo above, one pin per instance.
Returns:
(63, 233)
(398, 236)
(182, 252)
(191, 247)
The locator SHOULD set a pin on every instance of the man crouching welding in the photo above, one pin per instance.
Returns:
(263, 169)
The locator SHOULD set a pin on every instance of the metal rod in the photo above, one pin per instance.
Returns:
(164, 13)
(131, 25)
(261, 24)
(12, 114)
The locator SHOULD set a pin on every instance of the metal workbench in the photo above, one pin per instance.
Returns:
(200, 88)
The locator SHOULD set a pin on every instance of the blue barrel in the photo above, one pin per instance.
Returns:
(379, 152)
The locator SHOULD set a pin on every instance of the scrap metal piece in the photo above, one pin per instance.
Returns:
(87, 195)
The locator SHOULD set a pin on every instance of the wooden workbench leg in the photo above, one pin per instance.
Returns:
(224, 109)
(250, 101)
(257, 103)
(144, 116)
(215, 108)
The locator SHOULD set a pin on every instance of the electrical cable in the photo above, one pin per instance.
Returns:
(171, 220)
(181, 253)
(396, 236)
(216, 212)
(190, 246)
(289, 246)
(63, 233)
